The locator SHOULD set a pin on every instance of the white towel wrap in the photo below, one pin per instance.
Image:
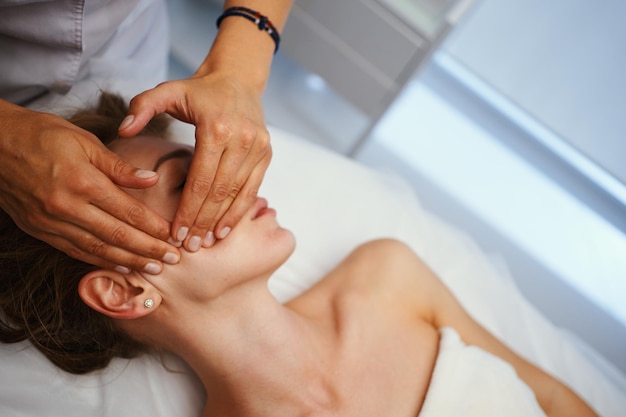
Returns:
(467, 381)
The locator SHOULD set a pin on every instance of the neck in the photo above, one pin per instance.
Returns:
(246, 347)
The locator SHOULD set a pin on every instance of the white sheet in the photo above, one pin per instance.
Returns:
(332, 204)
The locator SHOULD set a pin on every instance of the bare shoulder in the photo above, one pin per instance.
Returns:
(371, 302)
(388, 263)
(389, 272)
(375, 248)
(381, 254)
(385, 273)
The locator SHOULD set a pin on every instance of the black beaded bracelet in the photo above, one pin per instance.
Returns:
(262, 22)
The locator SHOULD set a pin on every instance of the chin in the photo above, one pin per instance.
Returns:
(288, 241)
(281, 248)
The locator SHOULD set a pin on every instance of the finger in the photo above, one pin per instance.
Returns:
(96, 189)
(109, 214)
(232, 213)
(117, 242)
(119, 171)
(164, 98)
(114, 258)
(200, 177)
(223, 190)
(125, 233)
(245, 197)
(116, 218)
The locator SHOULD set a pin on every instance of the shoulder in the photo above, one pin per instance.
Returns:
(383, 275)
(385, 262)
(388, 273)
(390, 247)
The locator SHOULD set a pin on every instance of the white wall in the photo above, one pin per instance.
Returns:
(563, 61)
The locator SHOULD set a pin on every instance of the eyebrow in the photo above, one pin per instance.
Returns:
(178, 153)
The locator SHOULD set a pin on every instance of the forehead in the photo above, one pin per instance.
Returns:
(144, 151)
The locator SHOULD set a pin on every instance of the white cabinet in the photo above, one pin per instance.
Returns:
(367, 49)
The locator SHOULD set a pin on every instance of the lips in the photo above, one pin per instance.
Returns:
(261, 208)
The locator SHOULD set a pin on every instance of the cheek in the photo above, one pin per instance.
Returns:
(162, 203)
(167, 209)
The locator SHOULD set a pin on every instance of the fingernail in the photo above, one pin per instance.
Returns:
(126, 122)
(182, 233)
(173, 242)
(152, 268)
(224, 232)
(209, 240)
(122, 269)
(144, 173)
(171, 258)
(194, 243)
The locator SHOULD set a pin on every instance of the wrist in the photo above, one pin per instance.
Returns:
(262, 22)
(241, 52)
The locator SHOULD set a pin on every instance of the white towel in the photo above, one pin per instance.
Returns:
(468, 382)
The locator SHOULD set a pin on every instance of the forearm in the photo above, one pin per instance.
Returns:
(243, 51)
(566, 403)
(554, 397)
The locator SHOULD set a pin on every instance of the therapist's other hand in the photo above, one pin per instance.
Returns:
(57, 182)
(232, 151)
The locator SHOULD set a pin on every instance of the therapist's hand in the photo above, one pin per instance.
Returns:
(232, 150)
(58, 183)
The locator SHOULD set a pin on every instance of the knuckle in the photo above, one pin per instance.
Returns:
(234, 190)
(203, 223)
(82, 184)
(251, 193)
(264, 141)
(73, 252)
(219, 192)
(138, 100)
(135, 214)
(200, 185)
(96, 247)
(118, 235)
(155, 249)
(264, 157)
(120, 167)
(248, 137)
(136, 263)
(222, 131)
(55, 204)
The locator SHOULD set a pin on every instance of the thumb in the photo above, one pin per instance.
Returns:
(142, 109)
(121, 172)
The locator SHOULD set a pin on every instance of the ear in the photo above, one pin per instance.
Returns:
(116, 295)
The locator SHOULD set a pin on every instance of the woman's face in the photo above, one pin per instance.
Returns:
(255, 247)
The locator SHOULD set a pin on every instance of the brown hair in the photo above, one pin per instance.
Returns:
(39, 300)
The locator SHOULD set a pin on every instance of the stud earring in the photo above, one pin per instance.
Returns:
(148, 303)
